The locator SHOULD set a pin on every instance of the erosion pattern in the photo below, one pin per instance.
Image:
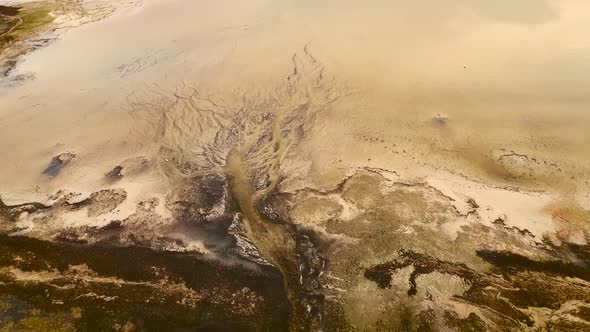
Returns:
(242, 147)
(231, 247)
(225, 161)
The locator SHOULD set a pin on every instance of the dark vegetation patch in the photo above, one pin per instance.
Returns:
(8, 10)
(423, 264)
(515, 283)
(19, 23)
(508, 262)
(472, 323)
(583, 313)
(148, 308)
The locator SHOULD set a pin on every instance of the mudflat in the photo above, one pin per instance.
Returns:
(294, 166)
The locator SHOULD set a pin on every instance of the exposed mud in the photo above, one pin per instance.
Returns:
(316, 240)
(226, 180)
(222, 196)
(515, 284)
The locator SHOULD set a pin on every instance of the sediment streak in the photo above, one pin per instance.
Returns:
(247, 142)
(273, 241)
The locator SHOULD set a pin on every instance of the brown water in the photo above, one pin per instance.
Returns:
(284, 94)
(506, 75)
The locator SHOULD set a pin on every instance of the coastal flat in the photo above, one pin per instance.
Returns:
(294, 165)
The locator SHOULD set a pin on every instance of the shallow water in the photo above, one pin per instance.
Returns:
(506, 75)
(336, 131)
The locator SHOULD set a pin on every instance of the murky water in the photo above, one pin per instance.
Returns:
(505, 75)
(274, 97)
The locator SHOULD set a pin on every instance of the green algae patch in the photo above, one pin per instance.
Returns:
(18, 315)
(19, 24)
(25, 21)
(33, 18)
